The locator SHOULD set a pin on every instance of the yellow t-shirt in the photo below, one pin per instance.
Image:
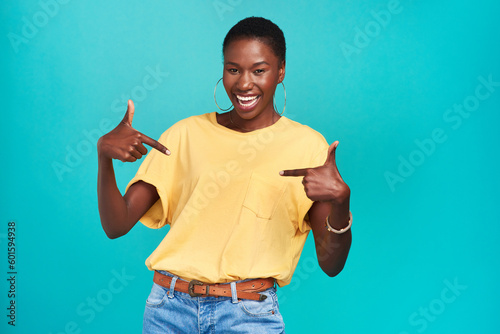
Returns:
(231, 215)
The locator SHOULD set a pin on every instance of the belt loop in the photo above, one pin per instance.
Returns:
(234, 294)
(172, 287)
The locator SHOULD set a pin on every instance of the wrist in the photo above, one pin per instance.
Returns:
(339, 197)
(339, 215)
(337, 230)
(103, 159)
(101, 156)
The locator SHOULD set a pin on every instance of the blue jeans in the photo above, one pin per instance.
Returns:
(169, 311)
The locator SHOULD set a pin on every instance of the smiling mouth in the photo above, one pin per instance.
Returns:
(247, 102)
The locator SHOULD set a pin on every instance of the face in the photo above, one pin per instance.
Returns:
(251, 73)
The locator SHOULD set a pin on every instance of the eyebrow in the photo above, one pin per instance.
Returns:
(255, 64)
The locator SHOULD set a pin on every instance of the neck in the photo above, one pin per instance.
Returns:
(243, 125)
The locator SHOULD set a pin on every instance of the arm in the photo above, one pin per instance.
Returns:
(120, 213)
(331, 196)
(331, 248)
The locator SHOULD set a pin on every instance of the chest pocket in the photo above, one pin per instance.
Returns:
(263, 196)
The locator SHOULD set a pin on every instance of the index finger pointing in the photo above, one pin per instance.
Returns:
(294, 172)
(154, 144)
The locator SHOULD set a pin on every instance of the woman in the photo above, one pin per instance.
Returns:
(240, 190)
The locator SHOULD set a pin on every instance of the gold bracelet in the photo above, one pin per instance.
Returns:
(342, 230)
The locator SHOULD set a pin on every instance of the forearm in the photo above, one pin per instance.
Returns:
(112, 205)
(332, 249)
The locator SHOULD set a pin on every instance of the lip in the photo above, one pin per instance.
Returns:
(248, 106)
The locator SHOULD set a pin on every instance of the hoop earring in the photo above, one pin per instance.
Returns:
(274, 102)
(215, 99)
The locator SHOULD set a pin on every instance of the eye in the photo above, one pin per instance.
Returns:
(232, 70)
(259, 71)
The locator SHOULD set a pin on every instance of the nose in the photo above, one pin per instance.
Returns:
(245, 82)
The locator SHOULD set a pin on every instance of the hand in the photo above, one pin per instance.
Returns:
(323, 183)
(125, 143)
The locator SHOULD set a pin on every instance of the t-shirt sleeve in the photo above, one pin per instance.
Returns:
(317, 160)
(158, 170)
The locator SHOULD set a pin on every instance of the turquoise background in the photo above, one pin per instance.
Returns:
(425, 218)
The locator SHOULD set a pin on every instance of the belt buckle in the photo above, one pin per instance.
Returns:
(191, 285)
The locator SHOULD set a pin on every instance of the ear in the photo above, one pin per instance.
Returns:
(281, 72)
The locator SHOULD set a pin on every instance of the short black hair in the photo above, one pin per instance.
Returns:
(261, 29)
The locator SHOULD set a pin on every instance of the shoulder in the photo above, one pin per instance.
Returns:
(311, 143)
(303, 132)
(187, 124)
(197, 120)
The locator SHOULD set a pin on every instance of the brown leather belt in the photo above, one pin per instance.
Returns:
(244, 290)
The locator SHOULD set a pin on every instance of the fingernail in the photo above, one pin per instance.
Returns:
(167, 152)
(282, 173)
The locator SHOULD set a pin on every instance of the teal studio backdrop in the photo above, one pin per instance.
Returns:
(411, 89)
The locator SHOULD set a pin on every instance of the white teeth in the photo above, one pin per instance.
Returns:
(246, 98)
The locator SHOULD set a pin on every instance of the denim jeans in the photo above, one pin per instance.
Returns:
(169, 311)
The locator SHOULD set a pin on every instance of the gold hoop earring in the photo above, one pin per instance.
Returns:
(215, 98)
(274, 102)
